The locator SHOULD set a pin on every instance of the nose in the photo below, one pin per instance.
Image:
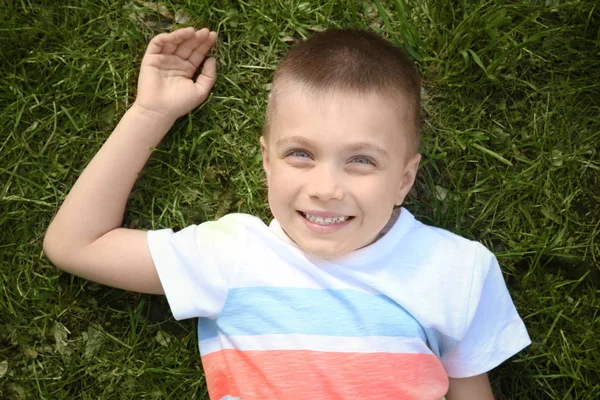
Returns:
(325, 183)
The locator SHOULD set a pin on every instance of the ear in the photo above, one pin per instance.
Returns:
(408, 178)
(265, 155)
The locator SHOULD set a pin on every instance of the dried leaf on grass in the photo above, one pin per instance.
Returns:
(94, 339)
(3, 368)
(163, 338)
(157, 7)
(30, 352)
(180, 17)
(60, 334)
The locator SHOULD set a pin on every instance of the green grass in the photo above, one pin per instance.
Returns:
(510, 139)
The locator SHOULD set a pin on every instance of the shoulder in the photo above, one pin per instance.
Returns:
(221, 235)
(236, 225)
(442, 247)
(239, 219)
(442, 267)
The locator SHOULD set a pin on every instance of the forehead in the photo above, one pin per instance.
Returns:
(340, 116)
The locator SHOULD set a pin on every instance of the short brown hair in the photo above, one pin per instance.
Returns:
(354, 60)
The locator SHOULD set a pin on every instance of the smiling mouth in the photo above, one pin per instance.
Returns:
(323, 220)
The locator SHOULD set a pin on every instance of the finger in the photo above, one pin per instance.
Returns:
(185, 48)
(207, 77)
(156, 44)
(166, 43)
(200, 52)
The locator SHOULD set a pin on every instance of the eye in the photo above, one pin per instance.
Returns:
(363, 160)
(297, 153)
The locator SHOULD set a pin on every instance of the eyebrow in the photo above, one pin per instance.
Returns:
(353, 147)
(357, 146)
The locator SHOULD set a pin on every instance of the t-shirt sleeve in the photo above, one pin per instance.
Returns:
(494, 331)
(197, 265)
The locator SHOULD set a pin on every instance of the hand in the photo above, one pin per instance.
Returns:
(166, 88)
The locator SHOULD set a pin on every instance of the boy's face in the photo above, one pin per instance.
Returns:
(336, 165)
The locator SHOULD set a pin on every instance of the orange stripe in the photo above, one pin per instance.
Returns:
(303, 374)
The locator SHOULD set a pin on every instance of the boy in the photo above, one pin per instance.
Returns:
(345, 294)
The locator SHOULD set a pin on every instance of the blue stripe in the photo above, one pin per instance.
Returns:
(207, 328)
(282, 310)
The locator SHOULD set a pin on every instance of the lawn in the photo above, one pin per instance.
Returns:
(511, 140)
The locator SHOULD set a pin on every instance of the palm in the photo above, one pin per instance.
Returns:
(166, 84)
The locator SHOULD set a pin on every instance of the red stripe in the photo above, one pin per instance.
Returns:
(303, 374)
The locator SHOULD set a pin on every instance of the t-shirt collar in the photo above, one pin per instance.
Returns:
(382, 246)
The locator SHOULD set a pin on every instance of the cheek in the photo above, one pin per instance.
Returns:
(281, 181)
(283, 172)
(380, 189)
(377, 197)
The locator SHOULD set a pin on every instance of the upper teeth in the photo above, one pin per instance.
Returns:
(324, 221)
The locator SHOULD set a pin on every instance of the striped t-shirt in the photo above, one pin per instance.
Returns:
(392, 320)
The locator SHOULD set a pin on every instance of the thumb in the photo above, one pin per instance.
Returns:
(207, 77)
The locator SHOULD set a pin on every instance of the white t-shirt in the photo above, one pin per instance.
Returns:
(392, 320)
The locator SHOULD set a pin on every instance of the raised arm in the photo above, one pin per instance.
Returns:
(85, 237)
